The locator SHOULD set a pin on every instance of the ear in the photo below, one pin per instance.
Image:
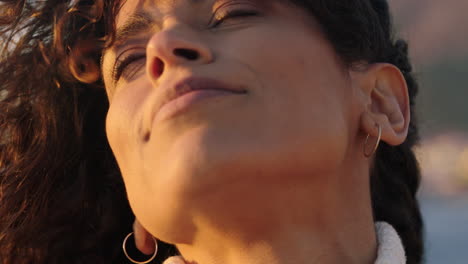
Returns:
(386, 103)
(143, 239)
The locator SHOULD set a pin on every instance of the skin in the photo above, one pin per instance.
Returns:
(276, 175)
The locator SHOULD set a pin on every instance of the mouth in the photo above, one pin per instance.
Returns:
(188, 92)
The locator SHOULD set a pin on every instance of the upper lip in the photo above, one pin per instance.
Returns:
(168, 93)
(196, 83)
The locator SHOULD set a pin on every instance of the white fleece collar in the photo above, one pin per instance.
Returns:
(390, 249)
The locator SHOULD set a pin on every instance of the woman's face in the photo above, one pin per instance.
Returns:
(289, 114)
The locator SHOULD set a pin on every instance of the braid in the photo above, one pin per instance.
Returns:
(395, 177)
(394, 182)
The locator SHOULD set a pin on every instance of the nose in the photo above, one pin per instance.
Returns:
(174, 47)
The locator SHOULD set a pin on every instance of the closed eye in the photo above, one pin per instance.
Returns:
(232, 14)
(127, 66)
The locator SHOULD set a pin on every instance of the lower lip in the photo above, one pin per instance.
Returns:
(185, 101)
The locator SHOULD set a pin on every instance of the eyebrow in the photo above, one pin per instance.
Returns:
(135, 25)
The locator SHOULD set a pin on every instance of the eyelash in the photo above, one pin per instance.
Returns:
(233, 14)
(122, 64)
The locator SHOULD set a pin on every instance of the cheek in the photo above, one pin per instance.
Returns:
(296, 65)
(301, 104)
(123, 122)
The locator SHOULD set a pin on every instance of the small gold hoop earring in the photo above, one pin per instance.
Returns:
(138, 262)
(366, 154)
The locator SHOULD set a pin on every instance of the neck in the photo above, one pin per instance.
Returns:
(300, 223)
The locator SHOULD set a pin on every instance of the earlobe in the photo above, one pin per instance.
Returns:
(387, 103)
(143, 239)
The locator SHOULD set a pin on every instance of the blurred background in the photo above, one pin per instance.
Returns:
(438, 36)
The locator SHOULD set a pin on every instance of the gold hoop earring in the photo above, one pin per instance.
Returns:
(138, 262)
(368, 155)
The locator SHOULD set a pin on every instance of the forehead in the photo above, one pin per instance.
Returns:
(129, 7)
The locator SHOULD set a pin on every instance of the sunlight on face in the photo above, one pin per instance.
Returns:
(284, 112)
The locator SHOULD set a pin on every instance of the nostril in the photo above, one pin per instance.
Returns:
(186, 53)
(158, 68)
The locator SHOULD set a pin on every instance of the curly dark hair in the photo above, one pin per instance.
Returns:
(62, 199)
